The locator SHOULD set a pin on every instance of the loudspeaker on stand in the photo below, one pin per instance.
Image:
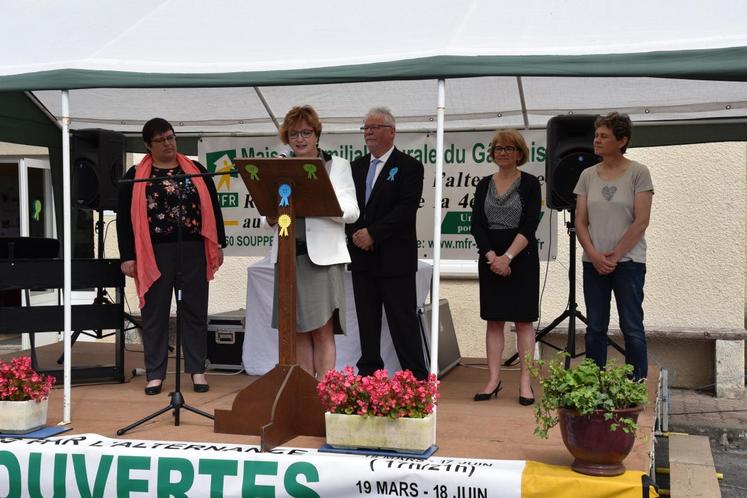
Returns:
(570, 150)
(98, 158)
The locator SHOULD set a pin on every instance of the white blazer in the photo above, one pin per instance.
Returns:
(325, 237)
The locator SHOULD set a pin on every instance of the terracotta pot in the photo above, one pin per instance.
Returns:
(20, 417)
(401, 434)
(598, 451)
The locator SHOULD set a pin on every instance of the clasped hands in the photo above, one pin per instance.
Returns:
(499, 265)
(363, 240)
(604, 263)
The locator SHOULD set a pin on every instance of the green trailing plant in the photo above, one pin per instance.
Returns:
(585, 388)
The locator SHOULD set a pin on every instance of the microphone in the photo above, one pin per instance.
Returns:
(285, 152)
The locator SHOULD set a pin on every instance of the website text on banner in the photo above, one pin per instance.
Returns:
(466, 161)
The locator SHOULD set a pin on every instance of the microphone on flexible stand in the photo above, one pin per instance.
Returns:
(285, 152)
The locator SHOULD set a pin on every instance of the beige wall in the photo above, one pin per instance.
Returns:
(7, 149)
(696, 247)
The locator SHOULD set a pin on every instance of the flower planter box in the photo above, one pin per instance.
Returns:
(402, 434)
(20, 417)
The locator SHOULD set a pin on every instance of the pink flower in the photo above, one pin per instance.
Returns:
(401, 395)
(19, 382)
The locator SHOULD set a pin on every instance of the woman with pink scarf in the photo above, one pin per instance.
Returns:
(148, 219)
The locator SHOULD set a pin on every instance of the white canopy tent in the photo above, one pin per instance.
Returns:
(230, 67)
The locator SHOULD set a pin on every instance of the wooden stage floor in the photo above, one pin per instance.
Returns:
(496, 429)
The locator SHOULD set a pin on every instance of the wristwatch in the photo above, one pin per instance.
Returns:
(508, 255)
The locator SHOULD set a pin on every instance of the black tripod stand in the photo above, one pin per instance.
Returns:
(177, 400)
(571, 312)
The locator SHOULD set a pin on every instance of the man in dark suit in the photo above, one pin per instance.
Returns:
(383, 246)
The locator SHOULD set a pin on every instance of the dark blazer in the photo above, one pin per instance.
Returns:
(531, 203)
(390, 216)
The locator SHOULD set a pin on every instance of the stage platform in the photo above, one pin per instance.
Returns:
(495, 429)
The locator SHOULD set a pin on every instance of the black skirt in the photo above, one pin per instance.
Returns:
(514, 298)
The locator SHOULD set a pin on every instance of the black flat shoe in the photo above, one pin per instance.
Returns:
(150, 391)
(199, 388)
(487, 396)
(526, 401)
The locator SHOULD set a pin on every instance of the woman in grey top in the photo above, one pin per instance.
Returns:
(613, 207)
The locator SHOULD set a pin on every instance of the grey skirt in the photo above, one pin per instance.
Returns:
(320, 294)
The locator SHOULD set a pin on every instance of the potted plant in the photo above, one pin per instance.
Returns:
(378, 411)
(597, 410)
(23, 396)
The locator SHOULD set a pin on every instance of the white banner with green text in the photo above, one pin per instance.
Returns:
(466, 161)
(89, 465)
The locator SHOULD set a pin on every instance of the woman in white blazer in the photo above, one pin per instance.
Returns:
(321, 251)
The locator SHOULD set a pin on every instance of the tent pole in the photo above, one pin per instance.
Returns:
(67, 254)
(523, 102)
(32, 98)
(267, 107)
(437, 224)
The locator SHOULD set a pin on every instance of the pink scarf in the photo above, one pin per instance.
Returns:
(146, 269)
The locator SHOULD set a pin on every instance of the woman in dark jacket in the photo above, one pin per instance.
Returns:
(149, 217)
(505, 216)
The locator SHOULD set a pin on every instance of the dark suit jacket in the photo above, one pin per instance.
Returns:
(390, 216)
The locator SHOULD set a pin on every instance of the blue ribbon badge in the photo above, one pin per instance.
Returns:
(392, 174)
(310, 170)
(285, 191)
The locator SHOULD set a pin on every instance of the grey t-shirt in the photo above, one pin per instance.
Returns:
(610, 207)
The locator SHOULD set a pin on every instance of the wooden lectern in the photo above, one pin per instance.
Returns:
(283, 403)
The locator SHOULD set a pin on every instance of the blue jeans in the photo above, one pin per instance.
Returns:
(627, 284)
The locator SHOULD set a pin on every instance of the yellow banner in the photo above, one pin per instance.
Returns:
(553, 481)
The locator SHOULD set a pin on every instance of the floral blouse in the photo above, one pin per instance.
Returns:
(163, 198)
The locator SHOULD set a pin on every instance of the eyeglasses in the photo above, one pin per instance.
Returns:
(509, 149)
(303, 133)
(170, 138)
(375, 127)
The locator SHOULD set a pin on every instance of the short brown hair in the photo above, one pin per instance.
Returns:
(154, 127)
(620, 125)
(511, 137)
(296, 115)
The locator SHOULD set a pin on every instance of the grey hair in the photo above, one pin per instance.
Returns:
(385, 113)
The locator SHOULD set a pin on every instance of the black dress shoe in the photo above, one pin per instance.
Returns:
(150, 391)
(526, 401)
(487, 396)
(199, 388)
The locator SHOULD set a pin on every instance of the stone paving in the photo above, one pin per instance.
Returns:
(698, 412)
(724, 421)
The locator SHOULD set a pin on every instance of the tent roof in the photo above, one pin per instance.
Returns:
(110, 43)
(506, 64)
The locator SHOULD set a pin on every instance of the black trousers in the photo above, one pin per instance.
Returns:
(194, 306)
(399, 298)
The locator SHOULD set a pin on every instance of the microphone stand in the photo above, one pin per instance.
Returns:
(177, 399)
